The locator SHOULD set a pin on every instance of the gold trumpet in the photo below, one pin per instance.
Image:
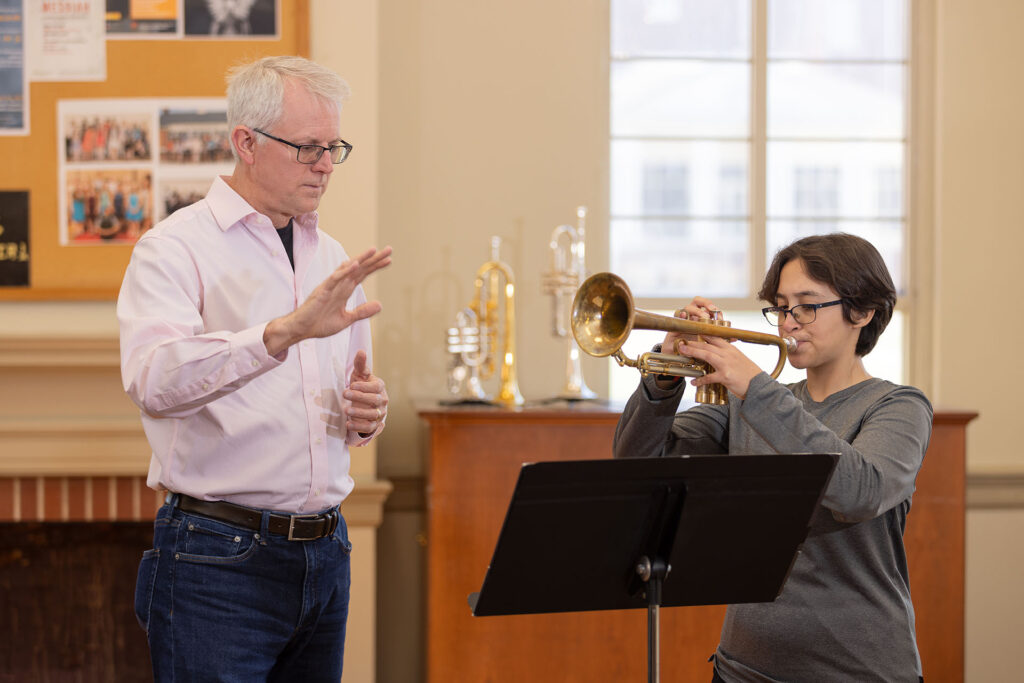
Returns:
(603, 315)
(485, 305)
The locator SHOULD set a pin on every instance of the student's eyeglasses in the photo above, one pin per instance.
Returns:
(310, 154)
(802, 313)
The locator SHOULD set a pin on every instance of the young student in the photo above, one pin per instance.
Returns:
(845, 613)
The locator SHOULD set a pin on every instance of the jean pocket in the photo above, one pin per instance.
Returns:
(144, 584)
(206, 541)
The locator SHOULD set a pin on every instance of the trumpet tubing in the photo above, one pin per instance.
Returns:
(603, 315)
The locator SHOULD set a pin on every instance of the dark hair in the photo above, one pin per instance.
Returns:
(852, 268)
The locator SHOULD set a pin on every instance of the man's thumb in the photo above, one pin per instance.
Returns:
(359, 368)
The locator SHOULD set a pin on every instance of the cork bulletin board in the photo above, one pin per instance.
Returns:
(138, 71)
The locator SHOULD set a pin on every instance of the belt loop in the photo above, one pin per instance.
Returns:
(330, 522)
(171, 499)
(264, 526)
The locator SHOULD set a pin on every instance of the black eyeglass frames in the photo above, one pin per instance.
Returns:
(310, 154)
(802, 313)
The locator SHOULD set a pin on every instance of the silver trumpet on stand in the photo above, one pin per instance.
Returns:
(568, 269)
(464, 367)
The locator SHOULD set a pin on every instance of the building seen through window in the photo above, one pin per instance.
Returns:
(725, 148)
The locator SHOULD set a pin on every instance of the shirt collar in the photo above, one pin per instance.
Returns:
(229, 208)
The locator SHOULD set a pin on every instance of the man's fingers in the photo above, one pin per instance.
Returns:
(374, 254)
(359, 365)
(354, 271)
(367, 310)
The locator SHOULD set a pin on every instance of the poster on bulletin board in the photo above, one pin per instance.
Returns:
(14, 116)
(14, 246)
(162, 101)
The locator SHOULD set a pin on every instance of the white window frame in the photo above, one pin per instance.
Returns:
(918, 300)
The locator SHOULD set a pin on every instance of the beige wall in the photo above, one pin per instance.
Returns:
(479, 119)
(979, 219)
(493, 122)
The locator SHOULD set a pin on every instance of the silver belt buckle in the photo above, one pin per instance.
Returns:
(291, 527)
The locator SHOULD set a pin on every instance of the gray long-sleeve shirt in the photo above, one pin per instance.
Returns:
(845, 612)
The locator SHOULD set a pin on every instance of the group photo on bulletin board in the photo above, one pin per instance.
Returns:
(128, 163)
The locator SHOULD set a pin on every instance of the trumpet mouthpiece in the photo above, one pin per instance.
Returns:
(790, 345)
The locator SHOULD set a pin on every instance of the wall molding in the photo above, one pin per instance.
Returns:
(59, 352)
(995, 490)
(985, 491)
(69, 447)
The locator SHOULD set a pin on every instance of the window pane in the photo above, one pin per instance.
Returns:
(692, 28)
(680, 97)
(678, 258)
(655, 178)
(835, 179)
(837, 29)
(835, 100)
(887, 236)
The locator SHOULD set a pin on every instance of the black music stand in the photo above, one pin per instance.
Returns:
(651, 532)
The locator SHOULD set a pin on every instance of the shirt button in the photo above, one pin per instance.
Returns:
(205, 386)
(317, 492)
(319, 440)
(255, 363)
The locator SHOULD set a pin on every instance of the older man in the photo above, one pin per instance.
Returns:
(245, 342)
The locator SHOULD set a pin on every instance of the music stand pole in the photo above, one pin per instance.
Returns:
(653, 573)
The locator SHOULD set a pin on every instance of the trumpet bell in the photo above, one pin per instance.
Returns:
(602, 314)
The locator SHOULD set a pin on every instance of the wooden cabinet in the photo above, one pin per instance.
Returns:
(474, 461)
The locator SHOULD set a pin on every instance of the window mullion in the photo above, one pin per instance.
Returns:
(758, 143)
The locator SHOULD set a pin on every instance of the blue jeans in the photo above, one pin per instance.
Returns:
(225, 603)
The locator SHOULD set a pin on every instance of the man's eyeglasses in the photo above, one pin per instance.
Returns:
(310, 154)
(802, 313)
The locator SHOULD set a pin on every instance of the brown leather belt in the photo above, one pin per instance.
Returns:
(295, 527)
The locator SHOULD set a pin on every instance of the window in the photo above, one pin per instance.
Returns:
(738, 126)
(666, 189)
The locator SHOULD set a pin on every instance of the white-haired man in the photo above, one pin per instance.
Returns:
(245, 342)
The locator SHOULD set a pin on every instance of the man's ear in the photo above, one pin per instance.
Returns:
(244, 141)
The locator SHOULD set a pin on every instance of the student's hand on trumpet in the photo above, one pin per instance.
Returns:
(699, 310)
(731, 367)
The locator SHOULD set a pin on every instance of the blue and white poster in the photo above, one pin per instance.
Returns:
(13, 79)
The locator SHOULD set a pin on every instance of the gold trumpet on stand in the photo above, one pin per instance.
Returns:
(603, 315)
(567, 272)
(474, 340)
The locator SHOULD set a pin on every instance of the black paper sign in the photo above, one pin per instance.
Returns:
(14, 249)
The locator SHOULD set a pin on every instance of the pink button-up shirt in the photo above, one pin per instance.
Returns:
(225, 420)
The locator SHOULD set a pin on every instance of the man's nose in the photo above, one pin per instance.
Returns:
(323, 164)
